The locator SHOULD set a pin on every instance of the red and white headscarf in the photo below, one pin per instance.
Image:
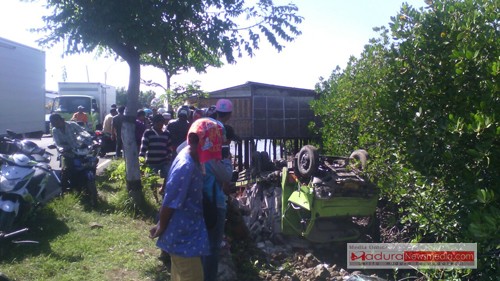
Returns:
(210, 134)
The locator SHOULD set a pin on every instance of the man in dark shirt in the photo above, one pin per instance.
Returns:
(156, 147)
(116, 126)
(179, 127)
(140, 127)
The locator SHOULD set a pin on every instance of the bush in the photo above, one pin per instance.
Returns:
(423, 98)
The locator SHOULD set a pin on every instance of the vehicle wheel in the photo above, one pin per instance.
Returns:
(92, 192)
(308, 161)
(361, 155)
(6, 221)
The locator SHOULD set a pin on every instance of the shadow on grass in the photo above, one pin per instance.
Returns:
(159, 272)
(43, 228)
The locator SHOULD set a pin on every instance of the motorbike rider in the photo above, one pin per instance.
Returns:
(65, 136)
(80, 116)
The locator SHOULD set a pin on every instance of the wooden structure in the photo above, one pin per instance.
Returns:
(278, 115)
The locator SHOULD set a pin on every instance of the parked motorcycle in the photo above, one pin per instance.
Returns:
(107, 144)
(24, 179)
(82, 175)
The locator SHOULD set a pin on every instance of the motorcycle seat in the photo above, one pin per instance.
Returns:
(40, 158)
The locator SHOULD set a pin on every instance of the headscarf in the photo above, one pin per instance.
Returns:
(210, 134)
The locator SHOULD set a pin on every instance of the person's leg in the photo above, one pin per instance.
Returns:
(165, 169)
(66, 166)
(186, 269)
(211, 262)
(118, 147)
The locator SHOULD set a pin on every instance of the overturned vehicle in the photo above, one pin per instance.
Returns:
(322, 198)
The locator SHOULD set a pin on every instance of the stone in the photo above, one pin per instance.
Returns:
(320, 272)
(310, 261)
(334, 273)
(343, 272)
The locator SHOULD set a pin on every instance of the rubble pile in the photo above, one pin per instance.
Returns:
(309, 267)
(260, 206)
(290, 257)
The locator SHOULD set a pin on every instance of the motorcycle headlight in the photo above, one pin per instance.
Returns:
(81, 151)
(9, 185)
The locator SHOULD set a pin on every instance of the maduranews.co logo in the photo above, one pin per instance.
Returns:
(380, 255)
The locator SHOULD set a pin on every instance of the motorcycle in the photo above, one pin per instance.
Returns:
(82, 175)
(106, 144)
(24, 179)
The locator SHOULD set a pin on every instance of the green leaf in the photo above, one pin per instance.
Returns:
(473, 152)
(468, 54)
(460, 36)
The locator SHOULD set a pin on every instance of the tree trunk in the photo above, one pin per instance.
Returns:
(169, 106)
(128, 133)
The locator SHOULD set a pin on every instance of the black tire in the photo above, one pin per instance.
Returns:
(6, 221)
(92, 193)
(361, 155)
(308, 161)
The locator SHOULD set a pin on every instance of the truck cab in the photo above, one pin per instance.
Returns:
(66, 106)
(96, 99)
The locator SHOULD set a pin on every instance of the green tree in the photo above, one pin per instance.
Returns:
(144, 100)
(423, 98)
(173, 66)
(134, 28)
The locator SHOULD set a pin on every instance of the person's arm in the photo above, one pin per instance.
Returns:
(144, 144)
(165, 216)
(113, 129)
(222, 170)
(85, 120)
(56, 135)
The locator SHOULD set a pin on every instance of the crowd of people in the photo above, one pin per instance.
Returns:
(187, 152)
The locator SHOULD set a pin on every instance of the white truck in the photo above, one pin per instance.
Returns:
(96, 99)
(22, 89)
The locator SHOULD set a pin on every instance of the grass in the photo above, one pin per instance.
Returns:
(70, 249)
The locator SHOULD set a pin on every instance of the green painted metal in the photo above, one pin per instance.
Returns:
(300, 209)
(290, 218)
(301, 199)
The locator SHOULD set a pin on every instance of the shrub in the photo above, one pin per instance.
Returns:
(423, 98)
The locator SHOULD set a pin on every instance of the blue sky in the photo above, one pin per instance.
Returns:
(332, 31)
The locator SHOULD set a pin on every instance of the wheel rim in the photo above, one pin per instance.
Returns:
(305, 161)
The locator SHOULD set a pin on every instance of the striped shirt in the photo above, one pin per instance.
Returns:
(156, 146)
